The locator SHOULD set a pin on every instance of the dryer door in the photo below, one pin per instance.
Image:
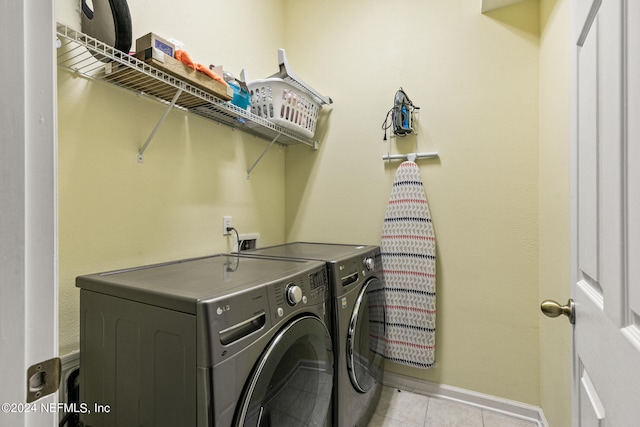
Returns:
(365, 337)
(291, 384)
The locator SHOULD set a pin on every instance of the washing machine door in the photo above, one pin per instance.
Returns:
(365, 337)
(291, 384)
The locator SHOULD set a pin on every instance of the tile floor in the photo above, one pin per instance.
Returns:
(405, 409)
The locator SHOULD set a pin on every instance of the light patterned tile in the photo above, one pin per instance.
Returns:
(385, 400)
(380, 421)
(408, 408)
(494, 419)
(446, 413)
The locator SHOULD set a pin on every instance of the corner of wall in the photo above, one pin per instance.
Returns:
(554, 256)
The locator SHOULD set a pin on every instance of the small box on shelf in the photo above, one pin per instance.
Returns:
(152, 40)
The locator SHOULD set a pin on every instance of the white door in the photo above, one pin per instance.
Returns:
(28, 258)
(606, 212)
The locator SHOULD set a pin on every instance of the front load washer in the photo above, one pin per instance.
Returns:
(216, 341)
(356, 282)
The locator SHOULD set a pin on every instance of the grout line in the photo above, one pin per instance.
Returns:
(426, 414)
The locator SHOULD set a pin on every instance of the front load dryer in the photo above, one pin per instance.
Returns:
(217, 341)
(356, 282)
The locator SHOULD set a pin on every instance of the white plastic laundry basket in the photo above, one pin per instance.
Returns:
(280, 102)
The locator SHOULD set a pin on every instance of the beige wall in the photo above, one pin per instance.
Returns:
(555, 340)
(475, 78)
(488, 90)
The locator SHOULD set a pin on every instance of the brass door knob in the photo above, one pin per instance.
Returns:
(551, 308)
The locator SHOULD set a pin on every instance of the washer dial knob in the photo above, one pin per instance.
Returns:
(294, 294)
(369, 263)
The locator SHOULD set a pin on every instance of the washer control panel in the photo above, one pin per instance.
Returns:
(300, 291)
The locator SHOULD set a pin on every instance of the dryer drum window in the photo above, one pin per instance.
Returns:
(291, 385)
(365, 339)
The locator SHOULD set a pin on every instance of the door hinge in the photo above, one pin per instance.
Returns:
(43, 379)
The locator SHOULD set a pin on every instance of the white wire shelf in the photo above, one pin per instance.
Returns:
(93, 59)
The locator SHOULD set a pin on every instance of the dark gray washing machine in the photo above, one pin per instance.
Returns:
(216, 341)
(355, 278)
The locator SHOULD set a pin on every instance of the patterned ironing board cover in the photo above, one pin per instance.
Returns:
(408, 253)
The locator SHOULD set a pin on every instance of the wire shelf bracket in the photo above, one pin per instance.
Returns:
(261, 156)
(155, 129)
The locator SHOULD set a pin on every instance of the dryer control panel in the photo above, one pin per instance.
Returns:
(299, 292)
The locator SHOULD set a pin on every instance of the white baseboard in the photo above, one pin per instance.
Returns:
(480, 400)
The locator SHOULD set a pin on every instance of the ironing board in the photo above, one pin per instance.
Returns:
(408, 255)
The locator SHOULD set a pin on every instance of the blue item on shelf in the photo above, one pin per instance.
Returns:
(240, 96)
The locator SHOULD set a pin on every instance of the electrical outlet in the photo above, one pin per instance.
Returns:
(226, 223)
